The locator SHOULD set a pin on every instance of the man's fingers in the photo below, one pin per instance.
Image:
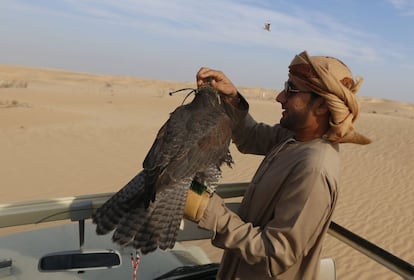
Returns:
(203, 72)
(202, 76)
(217, 80)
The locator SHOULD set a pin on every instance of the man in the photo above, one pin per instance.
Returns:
(286, 211)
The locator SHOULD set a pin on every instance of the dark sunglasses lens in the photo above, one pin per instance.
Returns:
(287, 87)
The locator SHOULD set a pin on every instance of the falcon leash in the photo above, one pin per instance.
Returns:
(135, 260)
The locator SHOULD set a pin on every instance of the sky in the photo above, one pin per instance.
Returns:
(172, 39)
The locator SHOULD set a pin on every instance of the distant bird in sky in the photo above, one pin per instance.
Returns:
(191, 146)
(267, 26)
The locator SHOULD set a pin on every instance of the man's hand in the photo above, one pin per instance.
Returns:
(218, 81)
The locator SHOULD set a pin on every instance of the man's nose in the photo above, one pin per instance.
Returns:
(281, 97)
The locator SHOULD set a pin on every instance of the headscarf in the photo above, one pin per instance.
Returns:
(331, 79)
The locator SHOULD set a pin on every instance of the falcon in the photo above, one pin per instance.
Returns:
(267, 26)
(190, 147)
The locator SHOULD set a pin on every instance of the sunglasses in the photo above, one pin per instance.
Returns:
(289, 91)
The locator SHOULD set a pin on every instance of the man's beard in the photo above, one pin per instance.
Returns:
(294, 120)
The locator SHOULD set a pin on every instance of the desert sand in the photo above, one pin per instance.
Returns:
(65, 134)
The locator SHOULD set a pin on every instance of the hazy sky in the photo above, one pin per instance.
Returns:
(172, 39)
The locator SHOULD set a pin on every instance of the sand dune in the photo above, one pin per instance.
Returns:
(64, 134)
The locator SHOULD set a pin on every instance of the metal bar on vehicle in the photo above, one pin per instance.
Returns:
(232, 189)
(385, 258)
(48, 210)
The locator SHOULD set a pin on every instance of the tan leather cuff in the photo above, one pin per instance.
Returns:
(196, 205)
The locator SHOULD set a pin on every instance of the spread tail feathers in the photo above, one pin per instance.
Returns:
(144, 228)
(108, 216)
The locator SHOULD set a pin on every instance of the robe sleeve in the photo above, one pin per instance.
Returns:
(253, 137)
(298, 219)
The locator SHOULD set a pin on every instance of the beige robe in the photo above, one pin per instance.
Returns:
(279, 228)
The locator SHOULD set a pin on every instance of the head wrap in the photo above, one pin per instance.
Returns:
(331, 79)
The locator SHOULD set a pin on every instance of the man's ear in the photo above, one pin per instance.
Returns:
(321, 107)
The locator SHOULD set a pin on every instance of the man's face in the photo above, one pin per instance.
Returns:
(297, 106)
